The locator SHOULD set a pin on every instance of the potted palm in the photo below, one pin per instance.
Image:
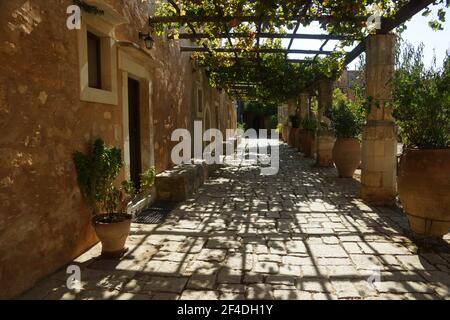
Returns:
(308, 135)
(346, 121)
(96, 172)
(421, 107)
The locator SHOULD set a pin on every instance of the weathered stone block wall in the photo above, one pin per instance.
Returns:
(44, 222)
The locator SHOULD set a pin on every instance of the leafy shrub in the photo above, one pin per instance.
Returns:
(273, 123)
(421, 101)
(261, 108)
(148, 179)
(241, 126)
(347, 119)
(309, 123)
(280, 128)
(96, 172)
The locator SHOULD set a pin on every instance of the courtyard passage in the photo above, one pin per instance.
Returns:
(301, 234)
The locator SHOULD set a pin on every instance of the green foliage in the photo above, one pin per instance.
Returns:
(280, 127)
(128, 188)
(309, 123)
(421, 104)
(96, 172)
(241, 126)
(275, 79)
(339, 97)
(148, 179)
(283, 120)
(261, 108)
(273, 124)
(436, 24)
(347, 118)
(281, 15)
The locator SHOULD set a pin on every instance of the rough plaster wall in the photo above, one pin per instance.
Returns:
(43, 221)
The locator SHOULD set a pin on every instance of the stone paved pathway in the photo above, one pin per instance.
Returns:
(302, 234)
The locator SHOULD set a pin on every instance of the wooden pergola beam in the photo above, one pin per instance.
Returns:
(225, 19)
(299, 61)
(302, 12)
(178, 10)
(262, 35)
(247, 61)
(262, 50)
(387, 25)
(408, 11)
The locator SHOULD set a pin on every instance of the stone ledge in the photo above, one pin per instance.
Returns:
(183, 181)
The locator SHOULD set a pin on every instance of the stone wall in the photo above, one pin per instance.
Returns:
(43, 221)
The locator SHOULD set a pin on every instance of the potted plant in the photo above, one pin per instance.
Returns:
(96, 172)
(307, 135)
(346, 121)
(421, 107)
(280, 130)
(294, 132)
(325, 140)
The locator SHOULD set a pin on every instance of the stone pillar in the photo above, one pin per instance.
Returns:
(379, 145)
(325, 137)
(304, 105)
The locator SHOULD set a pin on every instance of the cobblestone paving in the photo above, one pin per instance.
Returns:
(302, 234)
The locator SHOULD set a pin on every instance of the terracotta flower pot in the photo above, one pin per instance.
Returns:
(300, 140)
(297, 139)
(286, 131)
(309, 144)
(112, 234)
(293, 137)
(307, 141)
(424, 190)
(347, 156)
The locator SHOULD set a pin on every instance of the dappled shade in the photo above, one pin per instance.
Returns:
(301, 234)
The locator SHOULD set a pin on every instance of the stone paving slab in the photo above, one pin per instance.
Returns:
(302, 234)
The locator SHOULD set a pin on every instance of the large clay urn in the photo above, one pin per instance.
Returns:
(424, 190)
(112, 234)
(300, 140)
(347, 156)
(293, 137)
(307, 142)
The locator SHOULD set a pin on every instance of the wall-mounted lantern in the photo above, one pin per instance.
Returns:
(148, 40)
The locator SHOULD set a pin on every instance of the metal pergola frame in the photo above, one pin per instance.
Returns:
(387, 25)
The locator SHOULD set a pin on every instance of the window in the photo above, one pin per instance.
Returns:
(94, 61)
(97, 54)
(199, 101)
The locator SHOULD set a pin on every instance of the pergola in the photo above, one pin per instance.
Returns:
(250, 58)
(379, 145)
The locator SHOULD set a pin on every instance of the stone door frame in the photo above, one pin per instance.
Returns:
(133, 68)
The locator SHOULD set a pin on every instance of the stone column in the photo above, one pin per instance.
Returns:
(379, 145)
(325, 137)
(304, 105)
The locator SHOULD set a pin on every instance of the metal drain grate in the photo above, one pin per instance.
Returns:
(155, 214)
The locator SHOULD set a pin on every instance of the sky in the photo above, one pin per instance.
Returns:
(417, 32)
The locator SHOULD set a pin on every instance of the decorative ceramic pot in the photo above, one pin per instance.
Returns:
(347, 156)
(113, 233)
(293, 137)
(424, 190)
(307, 141)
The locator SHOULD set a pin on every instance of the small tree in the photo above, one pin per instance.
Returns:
(96, 172)
(347, 118)
(421, 100)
